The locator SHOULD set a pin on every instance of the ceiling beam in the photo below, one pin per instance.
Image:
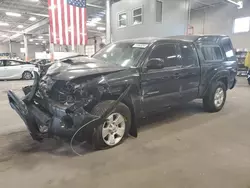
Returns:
(96, 6)
(22, 12)
(29, 29)
(45, 15)
(239, 4)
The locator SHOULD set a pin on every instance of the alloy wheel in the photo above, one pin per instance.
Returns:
(219, 97)
(113, 129)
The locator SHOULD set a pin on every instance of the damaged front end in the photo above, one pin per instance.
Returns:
(61, 111)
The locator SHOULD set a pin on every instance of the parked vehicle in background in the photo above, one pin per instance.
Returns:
(14, 69)
(124, 81)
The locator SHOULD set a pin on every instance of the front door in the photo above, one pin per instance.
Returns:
(160, 87)
(13, 69)
(2, 71)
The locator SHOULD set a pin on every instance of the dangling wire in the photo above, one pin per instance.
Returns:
(72, 139)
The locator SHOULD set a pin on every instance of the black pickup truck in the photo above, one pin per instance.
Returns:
(98, 99)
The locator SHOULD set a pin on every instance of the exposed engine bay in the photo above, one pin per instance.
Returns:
(58, 108)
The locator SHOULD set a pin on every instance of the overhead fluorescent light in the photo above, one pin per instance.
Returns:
(4, 24)
(32, 19)
(21, 42)
(20, 26)
(40, 37)
(101, 28)
(34, 0)
(4, 36)
(44, 42)
(91, 24)
(13, 14)
(31, 40)
(37, 43)
(239, 4)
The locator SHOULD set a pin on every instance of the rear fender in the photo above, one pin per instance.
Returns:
(224, 74)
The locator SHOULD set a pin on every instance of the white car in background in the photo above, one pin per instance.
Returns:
(14, 69)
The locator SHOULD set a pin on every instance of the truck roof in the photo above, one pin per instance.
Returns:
(187, 38)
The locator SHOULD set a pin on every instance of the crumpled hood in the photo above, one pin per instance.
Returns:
(68, 71)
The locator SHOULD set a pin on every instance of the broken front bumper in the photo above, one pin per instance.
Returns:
(45, 118)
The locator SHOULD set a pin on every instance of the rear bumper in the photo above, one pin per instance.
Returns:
(55, 120)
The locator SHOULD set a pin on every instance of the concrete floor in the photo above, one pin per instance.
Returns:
(181, 148)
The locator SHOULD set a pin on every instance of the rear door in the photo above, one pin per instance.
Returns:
(231, 60)
(160, 87)
(191, 72)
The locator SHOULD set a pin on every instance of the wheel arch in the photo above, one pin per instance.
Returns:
(24, 71)
(128, 101)
(222, 76)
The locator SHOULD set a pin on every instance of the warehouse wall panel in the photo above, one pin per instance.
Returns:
(174, 22)
(220, 20)
(4, 48)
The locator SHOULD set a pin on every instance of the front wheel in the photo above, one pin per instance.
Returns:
(116, 127)
(215, 98)
(27, 75)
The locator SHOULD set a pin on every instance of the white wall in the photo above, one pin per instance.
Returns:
(175, 19)
(220, 20)
(4, 48)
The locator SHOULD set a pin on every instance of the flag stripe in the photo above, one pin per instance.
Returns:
(77, 26)
(65, 22)
(51, 25)
(59, 12)
(72, 28)
(80, 25)
(54, 21)
(85, 28)
(57, 34)
(69, 24)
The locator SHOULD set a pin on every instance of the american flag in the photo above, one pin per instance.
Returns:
(68, 22)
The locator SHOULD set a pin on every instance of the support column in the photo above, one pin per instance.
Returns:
(108, 21)
(10, 48)
(25, 40)
(52, 52)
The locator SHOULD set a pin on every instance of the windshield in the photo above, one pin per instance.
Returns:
(124, 54)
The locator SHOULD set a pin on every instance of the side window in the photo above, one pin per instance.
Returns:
(158, 11)
(122, 20)
(12, 63)
(212, 53)
(137, 16)
(167, 52)
(188, 54)
(228, 48)
(1, 63)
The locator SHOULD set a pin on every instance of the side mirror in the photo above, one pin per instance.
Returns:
(155, 63)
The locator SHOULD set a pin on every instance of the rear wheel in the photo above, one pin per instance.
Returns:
(27, 75)
(215, 98)
(116, 127)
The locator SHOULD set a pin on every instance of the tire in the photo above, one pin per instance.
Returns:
(27, 75)
(99, 140)
(212, 102)
(248, 81)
